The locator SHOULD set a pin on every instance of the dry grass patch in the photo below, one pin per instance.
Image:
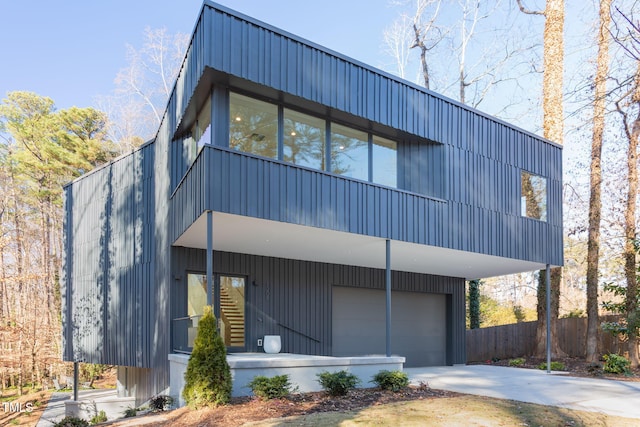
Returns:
(36, 402)
(460, 411)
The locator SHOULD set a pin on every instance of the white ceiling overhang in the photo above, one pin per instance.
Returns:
(248, 235)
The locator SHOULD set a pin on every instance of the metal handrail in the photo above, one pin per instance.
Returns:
(298, 332)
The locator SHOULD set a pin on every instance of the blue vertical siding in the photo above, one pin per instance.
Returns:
(482, 216)
(454, 153)
(107, 278)
(292, 298)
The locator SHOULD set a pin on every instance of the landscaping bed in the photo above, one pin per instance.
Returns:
(573, 366)
(243, 410)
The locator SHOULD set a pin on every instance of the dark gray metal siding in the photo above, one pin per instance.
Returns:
(251, 51)
(293, 298)
(488, 222)
(447, 150)
(239, 46)
(109, 263)
(115, 309)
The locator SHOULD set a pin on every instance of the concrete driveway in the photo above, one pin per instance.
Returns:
(534, 386)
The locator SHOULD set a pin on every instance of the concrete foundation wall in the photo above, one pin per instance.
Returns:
(302, 370)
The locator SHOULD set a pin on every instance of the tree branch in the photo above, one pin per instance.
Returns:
(523, 9)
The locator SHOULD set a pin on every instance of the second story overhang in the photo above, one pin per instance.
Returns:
(266, 207)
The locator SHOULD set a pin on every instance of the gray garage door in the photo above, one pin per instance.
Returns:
(417, 325)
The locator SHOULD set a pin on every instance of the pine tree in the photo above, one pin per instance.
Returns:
(208, 377)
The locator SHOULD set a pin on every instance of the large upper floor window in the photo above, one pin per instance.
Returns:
(533, 196)
(271, 130)
(201, 130)
(349, 152)
(304, 139)
(253, 126)
(385, 161)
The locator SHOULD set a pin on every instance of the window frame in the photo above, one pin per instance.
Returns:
(543, 205)
(328, 122)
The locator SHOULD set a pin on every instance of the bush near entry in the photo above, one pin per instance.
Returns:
(208, 377)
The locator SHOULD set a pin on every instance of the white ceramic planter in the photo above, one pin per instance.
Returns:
(272, 344)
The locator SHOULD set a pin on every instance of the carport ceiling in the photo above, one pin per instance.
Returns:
(235, 233)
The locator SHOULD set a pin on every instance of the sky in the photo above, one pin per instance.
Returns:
(71, 50)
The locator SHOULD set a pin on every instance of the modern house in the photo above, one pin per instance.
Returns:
(297, 190)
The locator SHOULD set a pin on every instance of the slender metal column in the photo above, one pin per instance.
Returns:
(75, 381)
(209, 258)
(548, 288)
(388, 289)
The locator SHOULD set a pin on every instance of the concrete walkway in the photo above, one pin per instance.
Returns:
(55, 408)
(620, 398)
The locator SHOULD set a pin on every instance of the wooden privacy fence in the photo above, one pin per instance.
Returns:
(518, 339)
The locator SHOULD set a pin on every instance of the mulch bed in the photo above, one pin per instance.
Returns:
(573, 366)
(243, 410)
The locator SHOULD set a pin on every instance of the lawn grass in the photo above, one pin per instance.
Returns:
(460, 411)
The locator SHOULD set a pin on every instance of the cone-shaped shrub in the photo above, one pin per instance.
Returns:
(208, 377)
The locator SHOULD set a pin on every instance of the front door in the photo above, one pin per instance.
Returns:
(232, 320)
(231, 297)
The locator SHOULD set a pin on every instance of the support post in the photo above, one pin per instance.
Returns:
(548, 289)
(388, 304)
(75, 381)
(209, 258)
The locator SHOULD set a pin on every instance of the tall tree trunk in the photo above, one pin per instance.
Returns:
(595, 203)
(553, 128)
(18, 244)
(4, 311)
(419, 43)
(541, 328)
(630, 269)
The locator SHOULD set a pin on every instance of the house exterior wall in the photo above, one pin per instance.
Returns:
(446, 150)
(292, 298)
(109, 263)
(228, 181)
(115, 279)
(459, 178)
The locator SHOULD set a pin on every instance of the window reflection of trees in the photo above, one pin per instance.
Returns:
(304, 143)
(534, 194)
(253, 126)
(349, 152)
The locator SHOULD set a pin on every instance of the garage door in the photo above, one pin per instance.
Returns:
(418, 329)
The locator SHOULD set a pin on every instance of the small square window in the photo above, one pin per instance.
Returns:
(533, 196)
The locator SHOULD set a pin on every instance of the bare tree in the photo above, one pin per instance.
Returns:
(426, 34)
(472, 14)
(143, 87)
(595, 179)
(629, 109)
(627, 36)
(398, 39)
(553, 129)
